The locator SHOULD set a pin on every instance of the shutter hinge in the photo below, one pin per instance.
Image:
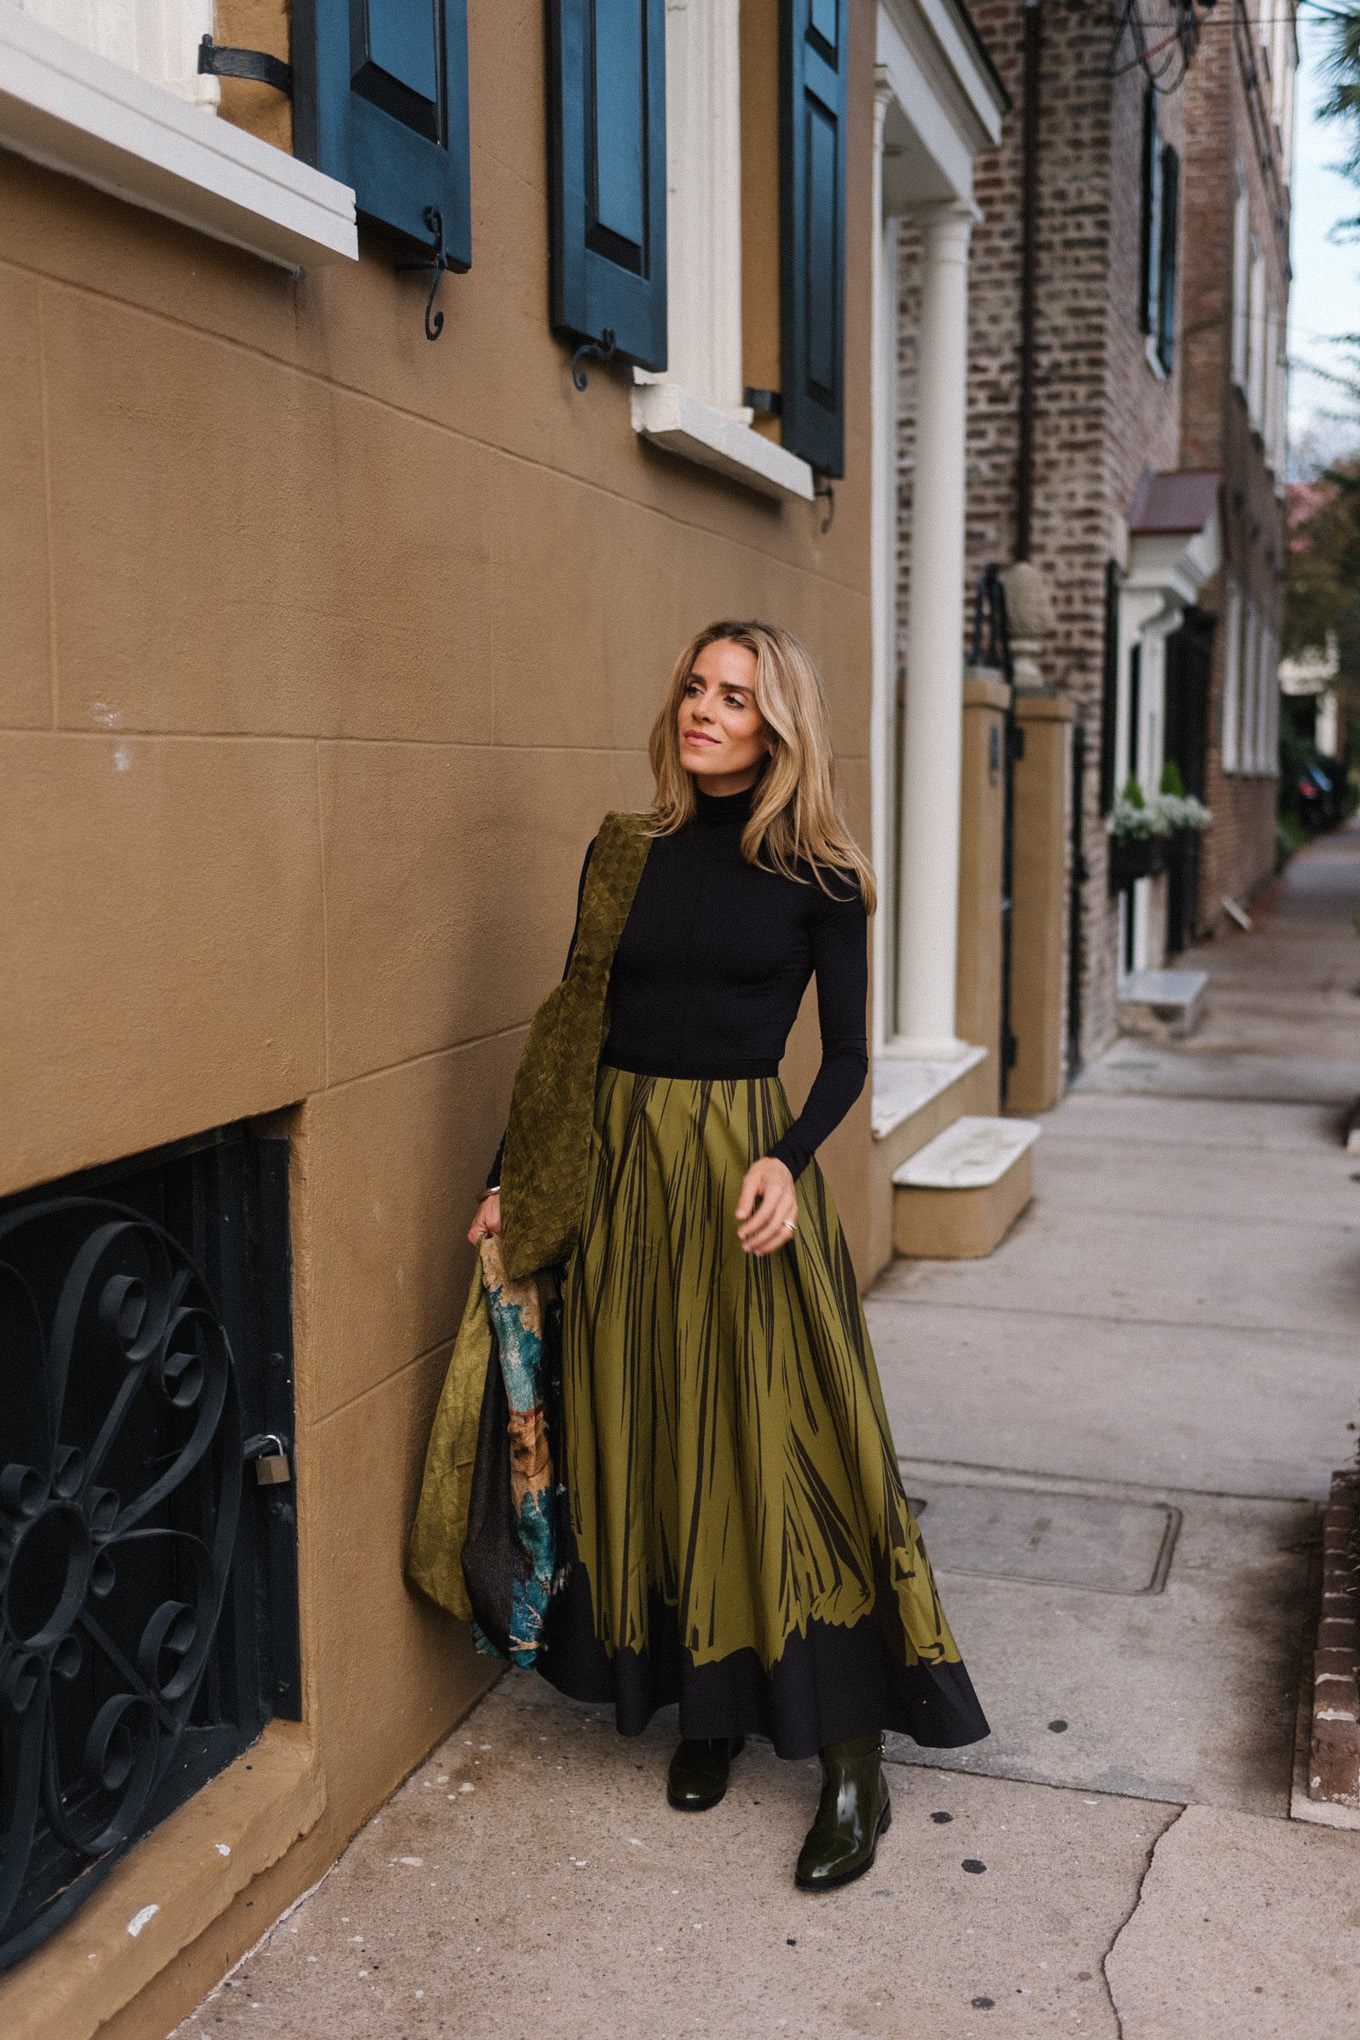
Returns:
(216, 60)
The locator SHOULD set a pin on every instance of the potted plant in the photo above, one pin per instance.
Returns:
(1137, 834)
(1186, 819)
(1183, 816)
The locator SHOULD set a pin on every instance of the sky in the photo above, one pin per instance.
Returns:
(1324, 297)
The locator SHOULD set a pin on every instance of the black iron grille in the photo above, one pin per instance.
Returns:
(148, 1583)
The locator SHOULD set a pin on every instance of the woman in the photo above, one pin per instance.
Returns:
(742, 1540)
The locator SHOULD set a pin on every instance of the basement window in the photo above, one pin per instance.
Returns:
(148, 1561)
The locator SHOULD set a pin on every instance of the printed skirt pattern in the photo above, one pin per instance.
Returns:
(742, 1542)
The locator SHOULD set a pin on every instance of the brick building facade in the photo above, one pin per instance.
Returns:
(1137, 356)
(1239, 118)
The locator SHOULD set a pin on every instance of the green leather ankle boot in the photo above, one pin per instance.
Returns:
(698, 1775)
(854, 1810)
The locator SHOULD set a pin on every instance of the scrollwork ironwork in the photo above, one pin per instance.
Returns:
(120, 1493)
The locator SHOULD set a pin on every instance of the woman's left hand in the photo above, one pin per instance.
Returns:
(767, 1209)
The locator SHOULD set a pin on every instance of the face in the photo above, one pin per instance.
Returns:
(723, 738)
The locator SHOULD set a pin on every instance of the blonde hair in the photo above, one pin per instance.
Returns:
(795, 816)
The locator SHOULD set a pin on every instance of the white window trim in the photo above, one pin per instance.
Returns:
(695, 409)
(1256, 336)
(1251, 675)
(158, 39)
(1240, 284)
(1270, 763)
(669, 414)
(74, 111)
(1230, 743)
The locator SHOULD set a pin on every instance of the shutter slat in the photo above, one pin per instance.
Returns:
(607, 94)
(620, 121)
(403, 41)
(812, 230)
(1167, 257)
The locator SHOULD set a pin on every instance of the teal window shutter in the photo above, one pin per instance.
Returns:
(1167, 257)
(812, 56)
(381, 102)
(607, 124)
(1150, 275)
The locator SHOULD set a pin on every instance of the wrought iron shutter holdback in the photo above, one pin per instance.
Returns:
(591, 350)
(439, 262)
(217, 60)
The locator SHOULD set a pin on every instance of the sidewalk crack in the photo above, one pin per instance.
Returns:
(1119, 1930)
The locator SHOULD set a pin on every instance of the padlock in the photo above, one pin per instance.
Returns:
(271, 1461)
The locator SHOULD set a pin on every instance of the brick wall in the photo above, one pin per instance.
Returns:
(1101, 412)
(1227, 106)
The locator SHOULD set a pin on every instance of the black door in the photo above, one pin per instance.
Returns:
(1188, 653)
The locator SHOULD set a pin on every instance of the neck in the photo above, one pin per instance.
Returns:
(725, 785)
(718, 809)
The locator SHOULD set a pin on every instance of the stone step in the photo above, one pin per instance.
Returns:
(958, 1196)
(1168, 1004)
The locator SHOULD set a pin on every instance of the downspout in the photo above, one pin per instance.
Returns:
(1029, 235)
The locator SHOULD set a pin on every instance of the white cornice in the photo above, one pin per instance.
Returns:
(930, 30)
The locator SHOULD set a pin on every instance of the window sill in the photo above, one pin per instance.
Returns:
(669, 415)
(167, 1890)
(74, 111)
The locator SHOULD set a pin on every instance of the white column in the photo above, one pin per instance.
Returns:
(883, 574)
(928, 882)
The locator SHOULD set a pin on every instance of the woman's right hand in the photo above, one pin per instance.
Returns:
(488, 1219)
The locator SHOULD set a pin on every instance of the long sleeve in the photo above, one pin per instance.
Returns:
(493, 1180)
(841, 964)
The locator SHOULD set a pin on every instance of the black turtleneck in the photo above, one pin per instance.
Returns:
(713, 962)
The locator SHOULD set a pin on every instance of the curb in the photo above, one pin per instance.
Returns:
(1334, 1748)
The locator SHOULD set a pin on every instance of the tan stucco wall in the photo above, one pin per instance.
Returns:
(324, 651)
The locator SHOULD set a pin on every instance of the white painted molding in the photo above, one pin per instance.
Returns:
(74, 111)
(158, 39)
(703, 200)
(665, 412)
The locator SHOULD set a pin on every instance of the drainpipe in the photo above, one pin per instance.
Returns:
(1029, 234)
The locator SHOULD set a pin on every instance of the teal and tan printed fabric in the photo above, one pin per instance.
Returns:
(725, 1436)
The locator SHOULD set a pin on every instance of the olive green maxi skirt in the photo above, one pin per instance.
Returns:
(740, 1538)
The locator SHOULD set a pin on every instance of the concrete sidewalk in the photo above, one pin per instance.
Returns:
(1120, 1428)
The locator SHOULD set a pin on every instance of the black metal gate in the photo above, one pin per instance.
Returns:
(1078, 873)
(991, 651)
(1188, 655)
(148, 1582)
